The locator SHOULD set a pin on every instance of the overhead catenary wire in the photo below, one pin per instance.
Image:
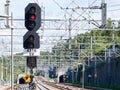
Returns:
(64, 34)
(62, 28)
(114, 5)
(83, 13)
(69, 13)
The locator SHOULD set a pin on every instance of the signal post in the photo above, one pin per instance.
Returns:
(31, 40)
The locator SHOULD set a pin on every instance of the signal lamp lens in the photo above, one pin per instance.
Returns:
(30, 25)
(32, 17)
(31, 38)
(31, 45)
(32, 9)
(30, 41)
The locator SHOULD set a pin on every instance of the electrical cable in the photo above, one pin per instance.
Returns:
(84, 12)
(114, 5)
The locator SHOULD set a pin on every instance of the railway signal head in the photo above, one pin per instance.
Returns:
(31, 41)
(32, 17)
(32, 62)
(32, 23)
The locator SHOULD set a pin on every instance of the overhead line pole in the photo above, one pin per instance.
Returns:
(113, 37)
(7, 13)
(12, 57)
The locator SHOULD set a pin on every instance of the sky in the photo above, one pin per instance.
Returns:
(54, 9)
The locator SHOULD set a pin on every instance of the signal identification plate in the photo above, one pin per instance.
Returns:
(31, 52)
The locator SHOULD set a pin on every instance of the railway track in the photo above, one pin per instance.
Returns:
(39, 85)
(54, 86)
(42, 84)
(19, 87)
(66, 86)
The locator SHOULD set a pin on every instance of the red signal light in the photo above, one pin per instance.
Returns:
(32, 17)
